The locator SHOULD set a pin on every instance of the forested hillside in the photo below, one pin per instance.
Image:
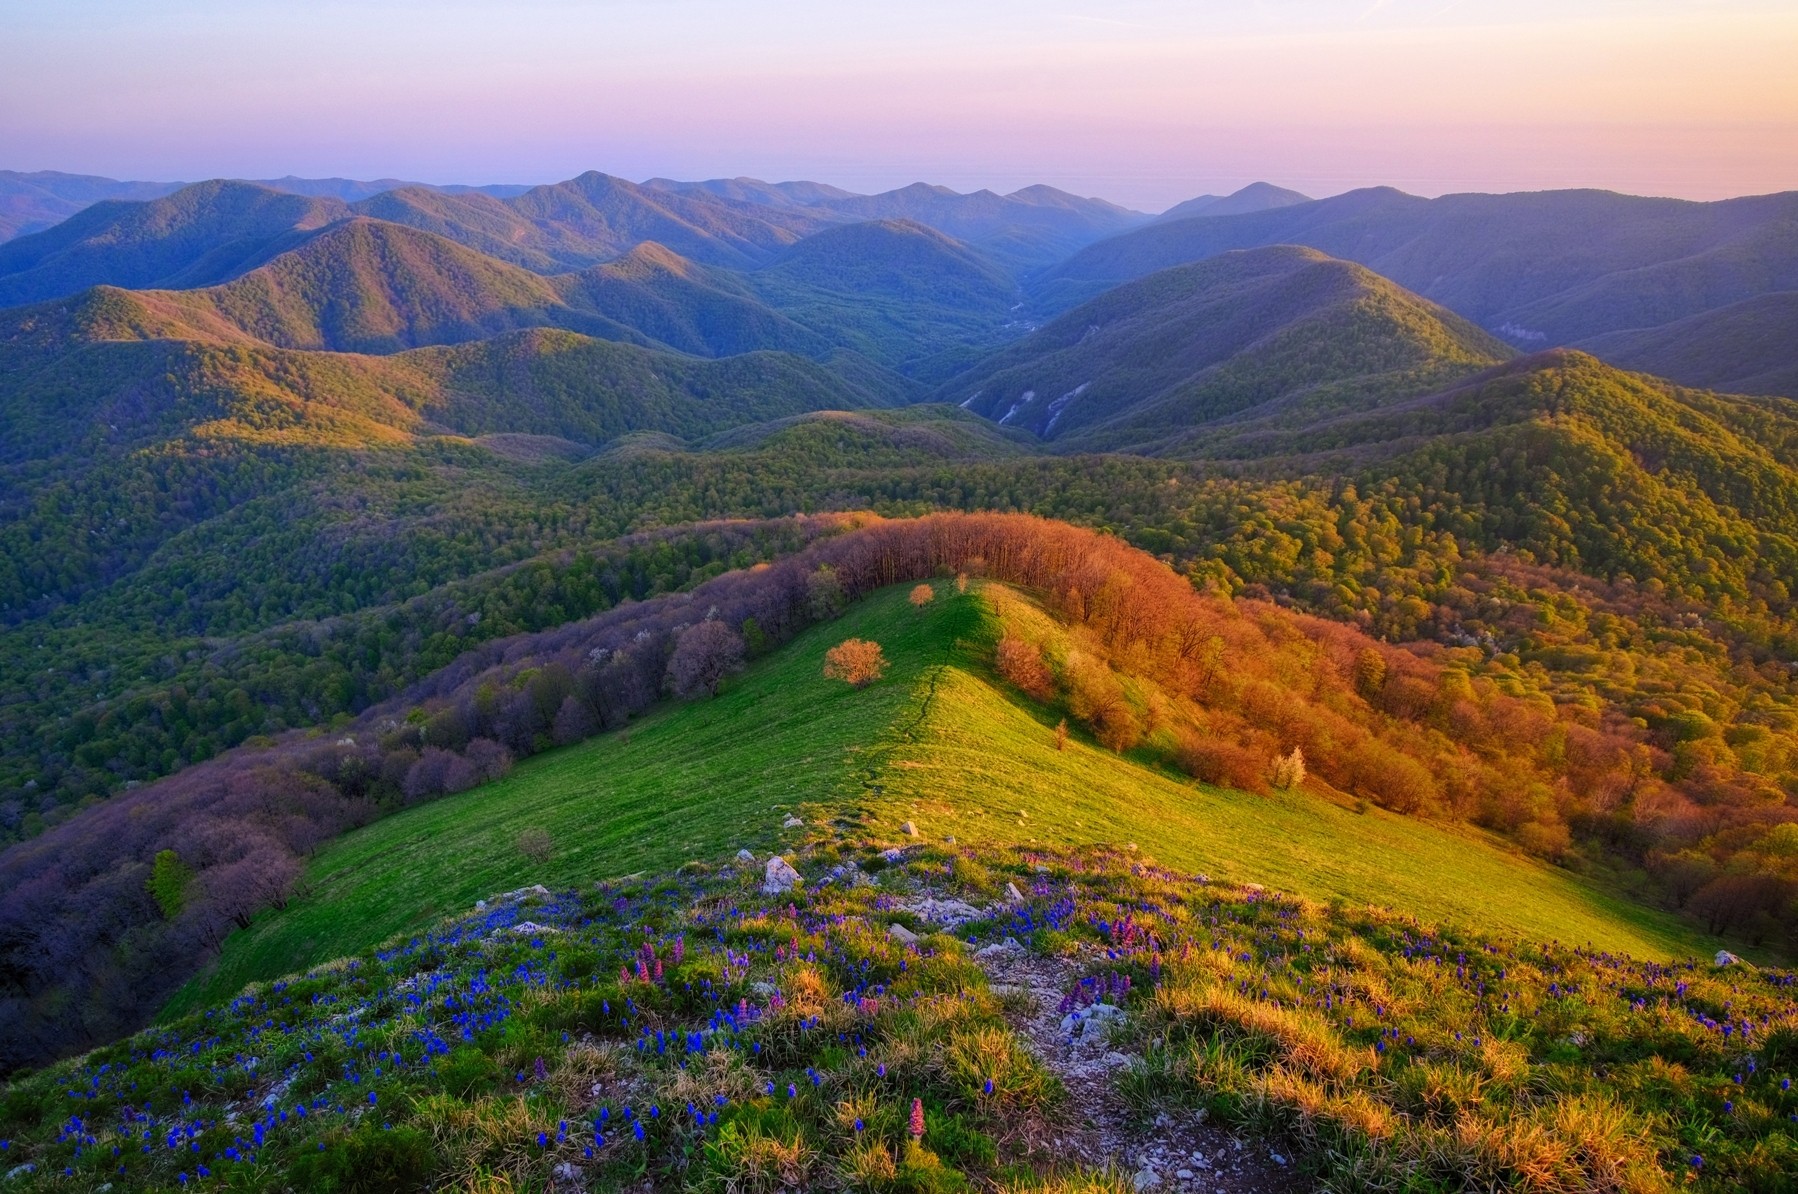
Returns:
(1742, 348)
(1287, 334)
(363, 456)
(199, 235)
(1538, 269)
(1170, 677)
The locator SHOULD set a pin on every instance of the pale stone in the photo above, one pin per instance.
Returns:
(780, 877)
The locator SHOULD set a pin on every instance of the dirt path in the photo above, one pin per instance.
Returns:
(1180, 1151)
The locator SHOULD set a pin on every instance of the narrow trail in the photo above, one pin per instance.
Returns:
(936, 674)
(1178, 1151)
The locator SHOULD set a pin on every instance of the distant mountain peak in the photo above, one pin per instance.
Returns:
(652, 257)
(1257, 196)
(1177, 353)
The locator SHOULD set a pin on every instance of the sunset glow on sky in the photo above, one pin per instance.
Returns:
(1142, 101)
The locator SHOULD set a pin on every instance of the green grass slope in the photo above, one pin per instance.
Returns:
(1160, 356)
(934, 742)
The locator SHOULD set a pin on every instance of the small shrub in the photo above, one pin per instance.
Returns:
(1222, 762)
(535, 844)
(1117, 728)
(856, 661)
(869, 1166)
(1545, 839)
(1390, 777)
(758, 1152)
(1061, 734)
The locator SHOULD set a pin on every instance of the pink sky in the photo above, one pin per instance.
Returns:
(1142, 101)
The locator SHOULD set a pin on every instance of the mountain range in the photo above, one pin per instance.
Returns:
(352, 469)
(1278, 332)
(1538, 269)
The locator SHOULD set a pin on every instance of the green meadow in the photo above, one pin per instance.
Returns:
(937, 742)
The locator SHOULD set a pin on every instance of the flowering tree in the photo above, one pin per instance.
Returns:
(922, 596)
(855, 661)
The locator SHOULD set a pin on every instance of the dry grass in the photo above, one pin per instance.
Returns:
(1303, 1040)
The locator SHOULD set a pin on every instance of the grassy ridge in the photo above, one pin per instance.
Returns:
(697, 781)
(978, 758)
(933, 742)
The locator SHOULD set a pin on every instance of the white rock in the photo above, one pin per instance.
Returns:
(745, 856)
(1276, 1158)
(1184, 1175)
(791, 823)
(952, 913)
(530, 927)
(566, 1172)
(893, 855)
(908, 829)
(1147, 1179)
(536, 890)
(480, 905)
(1011, 889)
(1000, 948)
(1725, 958)
(901, 934)
(1088, 1023)
(780, 877)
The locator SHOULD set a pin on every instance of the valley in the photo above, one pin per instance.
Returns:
(1278, 561)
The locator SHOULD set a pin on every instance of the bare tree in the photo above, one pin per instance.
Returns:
(703, 656)
(574, 722)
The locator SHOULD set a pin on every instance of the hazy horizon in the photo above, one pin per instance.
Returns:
(1144, 102)
(1004, 188)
